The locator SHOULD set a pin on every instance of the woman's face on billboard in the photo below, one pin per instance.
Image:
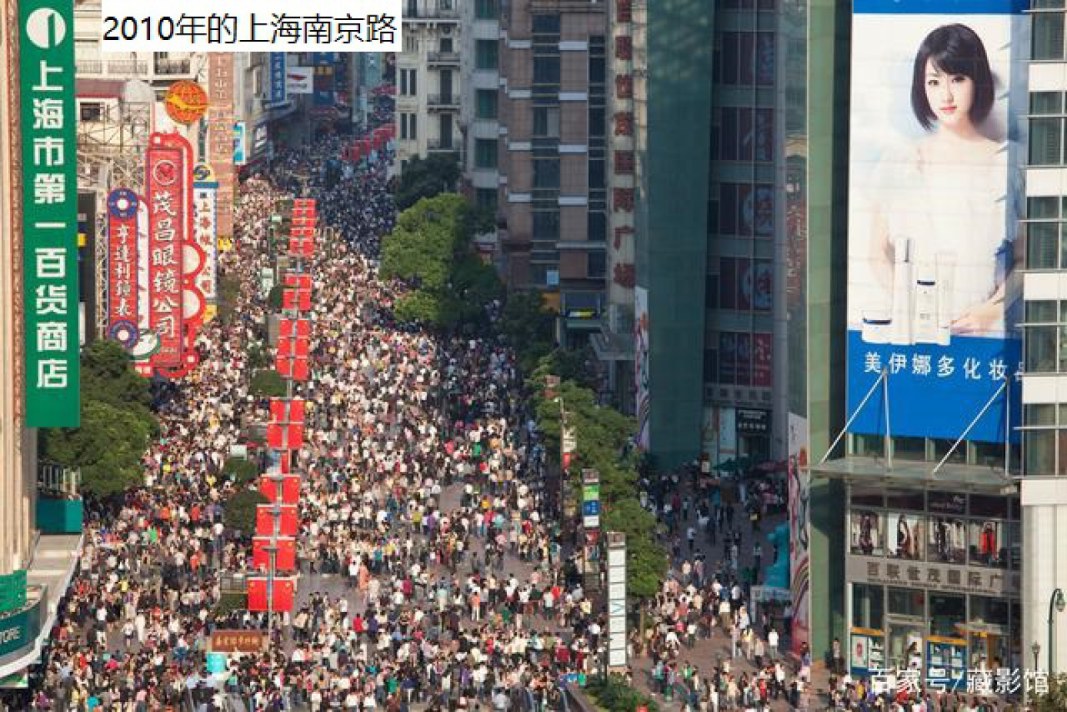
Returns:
(950, 96)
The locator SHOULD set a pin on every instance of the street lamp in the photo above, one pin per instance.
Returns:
(1056, 604)
(1036, 650)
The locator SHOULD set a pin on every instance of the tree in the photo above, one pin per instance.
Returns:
(107, 375)
(529, 327)
(1055, 700)
(107, 448)
(239, 513)
(267, 383)
(430, 250)
(427, 177)
(243, 471)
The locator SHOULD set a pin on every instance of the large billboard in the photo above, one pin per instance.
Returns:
(50, 214)
(937, 138)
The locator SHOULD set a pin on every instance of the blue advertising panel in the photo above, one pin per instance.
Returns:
(277, 79)
(935, 199)
(240, 144)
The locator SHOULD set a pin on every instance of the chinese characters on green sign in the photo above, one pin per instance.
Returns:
(50, 216)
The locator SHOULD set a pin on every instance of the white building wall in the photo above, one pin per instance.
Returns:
(1044, 502)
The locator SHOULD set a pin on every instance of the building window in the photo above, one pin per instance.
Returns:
(1047, 36)
(742, 134)
(486, 103)
(485, 198)
(90, 111)
(596, 265)
(1045, 248)
(445, 46)
(546, 225)
(486, 9)
(546, 24)
(408, 126)
(596, 173)
(408, 82)
(485, 153)
(597, 226)
(546, 70)
(546, 122)
(485, 54)
(1046, 128)
(746, 59)
(546, 173)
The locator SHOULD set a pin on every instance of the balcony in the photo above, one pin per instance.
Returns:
(445, 102)
(428, 13)
(173, 67)
(443, 59)
(110, 67)
(436, 145)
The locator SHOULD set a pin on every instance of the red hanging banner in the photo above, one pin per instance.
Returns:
(168, 187)
(289, 487)
(284, 595)
(284, 556)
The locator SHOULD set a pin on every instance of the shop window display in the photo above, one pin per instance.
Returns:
(866, 533)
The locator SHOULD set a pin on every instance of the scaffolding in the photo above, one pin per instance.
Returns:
(112, 140)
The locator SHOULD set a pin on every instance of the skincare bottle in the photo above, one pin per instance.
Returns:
(924, 324)
(945, 269)
(877, 324)
(901, 328)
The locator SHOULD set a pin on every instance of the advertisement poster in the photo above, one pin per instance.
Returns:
(205, 233)
(221, 155)
(935, 195)
(299, 80)
(641, 366)
(799, 539)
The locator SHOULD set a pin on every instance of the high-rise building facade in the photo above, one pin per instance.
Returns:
(480, 105)
(552, 154)
(428, 80)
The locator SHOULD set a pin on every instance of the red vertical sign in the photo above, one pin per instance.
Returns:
(122, 206)
(168, 187)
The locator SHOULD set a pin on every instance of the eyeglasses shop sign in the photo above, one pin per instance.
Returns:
(941, 577)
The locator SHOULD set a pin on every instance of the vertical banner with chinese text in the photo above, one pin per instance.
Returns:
(168, 181)
(50, 216)
(220, 150)
(122, 204)
(205, 233)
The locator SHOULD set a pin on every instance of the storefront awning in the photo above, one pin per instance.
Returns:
(917, 475)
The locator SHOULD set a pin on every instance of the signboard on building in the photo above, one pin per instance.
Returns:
(221, 151)
(168, 183)
(946, 578)
(12, 591)
(935, 189)
(751, 421)
(240, 143)
(299, 80)
(186, 102)
(18, 630)
(205, 232)
(277, 79)
(50, 214)
(122, 260)
(616, 600)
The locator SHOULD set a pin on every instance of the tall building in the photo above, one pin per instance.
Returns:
(35, 562)
(552, 154)
(428, 80)
(479, 107)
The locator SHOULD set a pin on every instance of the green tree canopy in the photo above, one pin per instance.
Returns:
(430, 248)
(239, 512)
(529, 327)
(427, 177)
(108, 447)
(267, 383)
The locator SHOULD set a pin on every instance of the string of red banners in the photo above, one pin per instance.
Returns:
(277, 523)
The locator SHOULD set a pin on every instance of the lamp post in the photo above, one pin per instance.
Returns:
(1056, 604)
(1036, 650)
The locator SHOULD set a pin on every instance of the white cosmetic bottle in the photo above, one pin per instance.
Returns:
(924, 324)
(945, 269)
(903, 283)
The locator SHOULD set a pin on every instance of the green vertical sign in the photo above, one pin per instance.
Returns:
(50, 214)
(13, 591)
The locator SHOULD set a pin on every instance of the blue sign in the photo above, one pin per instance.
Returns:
(935, 391)
(323, 98)
(591, 509)
(940, 7)
(216, 663)
(240, 150)
(277, 78)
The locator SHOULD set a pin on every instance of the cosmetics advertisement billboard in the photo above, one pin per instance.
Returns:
(937, 149)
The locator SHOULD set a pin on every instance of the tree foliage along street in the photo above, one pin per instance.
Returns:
(529, 327)
(116, 423)
(239, 512)
(427, 177)
(430, 249)
(1055, 700)
(604, 444)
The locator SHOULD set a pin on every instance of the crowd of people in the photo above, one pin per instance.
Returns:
(432, 571)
